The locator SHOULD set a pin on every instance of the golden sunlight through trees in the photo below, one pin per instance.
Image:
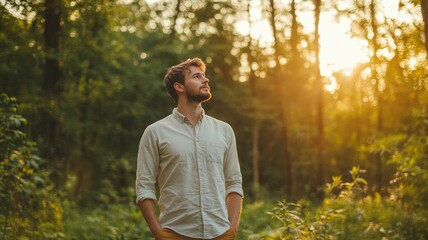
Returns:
(339, 51)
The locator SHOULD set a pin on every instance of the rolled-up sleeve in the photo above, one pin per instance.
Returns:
(147, 166)
(232, 171)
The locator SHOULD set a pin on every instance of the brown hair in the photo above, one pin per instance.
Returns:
(176, 74)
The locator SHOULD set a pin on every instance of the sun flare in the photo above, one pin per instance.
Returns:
(338, 50)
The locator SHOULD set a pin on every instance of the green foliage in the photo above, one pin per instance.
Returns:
(124, 221)
(293, 226)
(113, 55)
(18, 50)
(350, 212)
(29, 208)
(409, 181)
(112, 222)
(255, 220)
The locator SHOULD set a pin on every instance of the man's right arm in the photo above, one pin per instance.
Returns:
(147, 170)
(147, 208)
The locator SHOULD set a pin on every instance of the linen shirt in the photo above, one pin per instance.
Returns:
(195, 167)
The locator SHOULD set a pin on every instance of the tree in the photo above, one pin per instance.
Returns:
(280, 83)
(256, 121)
(376, 78)
(386, 84)
(103, 102)
(319, 142)
(424, 7)
(53, 11)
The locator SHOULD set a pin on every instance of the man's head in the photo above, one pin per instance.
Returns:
(176, 74)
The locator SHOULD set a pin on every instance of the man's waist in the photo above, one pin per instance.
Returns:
(196, 223)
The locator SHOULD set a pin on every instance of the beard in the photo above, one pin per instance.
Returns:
(198, 97)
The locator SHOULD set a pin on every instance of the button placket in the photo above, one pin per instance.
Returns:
(198, 157)
(202, 168)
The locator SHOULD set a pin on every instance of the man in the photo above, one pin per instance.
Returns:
(194, 160)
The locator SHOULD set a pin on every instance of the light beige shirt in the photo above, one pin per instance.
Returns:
(196, 167)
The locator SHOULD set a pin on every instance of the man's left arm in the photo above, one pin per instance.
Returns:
(234, 209)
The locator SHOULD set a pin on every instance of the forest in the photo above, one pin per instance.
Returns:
(331, 144)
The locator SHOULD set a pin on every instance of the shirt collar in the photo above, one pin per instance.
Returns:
(180, 117)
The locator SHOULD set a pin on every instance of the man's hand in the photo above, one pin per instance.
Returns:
(147, 208)
(234, 208)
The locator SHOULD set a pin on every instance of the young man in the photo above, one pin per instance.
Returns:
(194, 160)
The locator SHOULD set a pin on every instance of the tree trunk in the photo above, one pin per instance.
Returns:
(255, 159)
(378, 94)
(52, 89)
(294, 38)
(256, 127)
(319, 145)
(85, 168)
(424, 6)
(287, 161)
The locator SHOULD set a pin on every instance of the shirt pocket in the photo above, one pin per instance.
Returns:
(214, 153)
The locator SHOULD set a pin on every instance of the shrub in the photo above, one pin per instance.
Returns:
(119, 221)
(350, 212)
(29, 208)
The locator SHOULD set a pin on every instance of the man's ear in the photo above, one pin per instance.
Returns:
(178, 87)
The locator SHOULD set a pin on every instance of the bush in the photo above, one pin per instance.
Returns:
(113, 222)
(255, 220)
(350, 212)
(29, 208)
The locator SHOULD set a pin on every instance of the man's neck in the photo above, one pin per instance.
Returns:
(192, 111)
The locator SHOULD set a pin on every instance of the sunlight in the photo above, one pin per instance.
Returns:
(390, 8)
(17, 12)
(332, 86)
(260, 27)
(260, 31)
(338, 51)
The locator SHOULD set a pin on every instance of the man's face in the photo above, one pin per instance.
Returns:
(196, 85)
